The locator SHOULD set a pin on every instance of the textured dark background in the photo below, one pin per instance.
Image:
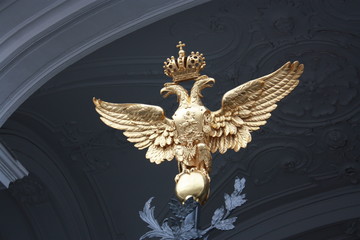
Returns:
(302, 168)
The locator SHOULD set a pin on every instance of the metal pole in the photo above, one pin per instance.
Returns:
(197, 216)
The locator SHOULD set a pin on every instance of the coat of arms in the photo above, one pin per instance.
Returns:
(194, 132)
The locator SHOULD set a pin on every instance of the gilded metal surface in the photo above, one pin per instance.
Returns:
(195, 184)
(194, 132)
(184, 67)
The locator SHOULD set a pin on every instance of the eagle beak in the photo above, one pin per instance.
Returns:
(210, 82)
(165, 92)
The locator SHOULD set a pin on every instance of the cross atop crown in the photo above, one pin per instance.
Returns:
(184, 67)
(180, 45)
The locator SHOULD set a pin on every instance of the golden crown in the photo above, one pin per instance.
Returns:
(184, 67)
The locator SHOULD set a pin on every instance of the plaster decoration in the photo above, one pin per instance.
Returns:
(274, 157)
(351, 172)
(98, 183)
(353, 228)
(296, 217)
(341, 140)
(5, 4)
(29, 191)
(10, 168)
(58, 38)
(222, 29)
(332, 74)
(344, 28)
(343, 144)
(325, 128)
(225, 30)
(96, 77)
(10, 39)
(347, 229)
(49, 190)
(145, 69)
(281, 21)
(335, 138)
(91, 147)
(343, 14)
(270, 155)
(87, 146)
(328, 159)
(328, 154)
(219, 163)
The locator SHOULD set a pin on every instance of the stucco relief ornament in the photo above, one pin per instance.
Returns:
(194, 132)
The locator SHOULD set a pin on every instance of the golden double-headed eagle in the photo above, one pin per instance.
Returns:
(194, 132)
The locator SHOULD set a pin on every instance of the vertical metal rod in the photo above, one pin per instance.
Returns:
(197, 217)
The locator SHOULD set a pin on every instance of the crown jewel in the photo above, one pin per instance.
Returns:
(184, 67)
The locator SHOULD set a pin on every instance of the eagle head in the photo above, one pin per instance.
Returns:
(173, 88)
(168, 89)
(203, 82)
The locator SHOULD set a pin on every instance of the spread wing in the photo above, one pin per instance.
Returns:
(144, 125)
(247, 107)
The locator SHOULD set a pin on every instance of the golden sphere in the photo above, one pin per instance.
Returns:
(194, 184)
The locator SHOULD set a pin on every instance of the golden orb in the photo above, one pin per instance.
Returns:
(194, 184)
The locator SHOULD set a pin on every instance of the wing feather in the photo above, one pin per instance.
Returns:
(143, 144)
(247, 107)
(144, 125)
